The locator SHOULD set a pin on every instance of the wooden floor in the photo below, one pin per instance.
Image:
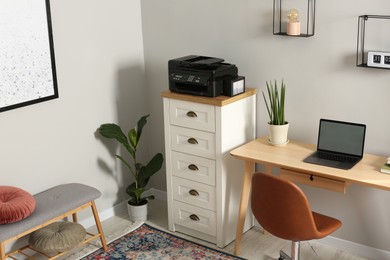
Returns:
(255, 245)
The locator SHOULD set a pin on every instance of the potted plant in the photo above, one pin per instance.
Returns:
(140, 172)
(278, 126)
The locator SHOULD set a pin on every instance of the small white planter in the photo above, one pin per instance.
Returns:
(278, 134)
(137, 213)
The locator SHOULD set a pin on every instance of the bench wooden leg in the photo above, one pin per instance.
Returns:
(2, 251)
(74, 217)
(98, 225)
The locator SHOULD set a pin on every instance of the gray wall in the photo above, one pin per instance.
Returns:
(320, 73)
(101, 78)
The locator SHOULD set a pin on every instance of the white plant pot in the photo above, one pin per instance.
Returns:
(278, 134)
(137, 213)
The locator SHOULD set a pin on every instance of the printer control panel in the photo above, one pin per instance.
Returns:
(188, 78)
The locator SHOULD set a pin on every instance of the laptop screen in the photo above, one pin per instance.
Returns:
(341, 137)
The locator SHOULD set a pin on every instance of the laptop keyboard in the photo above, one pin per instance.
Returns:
(336, 157)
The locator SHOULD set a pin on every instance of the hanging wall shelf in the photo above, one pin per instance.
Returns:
(278, 29)
(368, 58)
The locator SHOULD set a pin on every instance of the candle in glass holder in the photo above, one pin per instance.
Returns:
(293, 25)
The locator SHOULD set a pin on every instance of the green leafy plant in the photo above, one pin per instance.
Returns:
(275, 103)
(141, 173)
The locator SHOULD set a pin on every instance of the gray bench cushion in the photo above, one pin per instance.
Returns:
(50, 204)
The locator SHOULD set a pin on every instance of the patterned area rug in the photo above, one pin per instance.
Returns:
(147, 242)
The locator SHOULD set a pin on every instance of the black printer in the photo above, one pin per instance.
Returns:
(200, 75)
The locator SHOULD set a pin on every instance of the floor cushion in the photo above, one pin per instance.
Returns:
(15, 204)
(57, 237)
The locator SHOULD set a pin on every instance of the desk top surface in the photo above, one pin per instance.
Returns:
(291, 156)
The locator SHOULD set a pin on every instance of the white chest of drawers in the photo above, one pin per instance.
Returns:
(203, 180)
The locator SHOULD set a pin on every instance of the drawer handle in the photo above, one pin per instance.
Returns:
(193, 167)
(194, 217)
(192, 141)
(311, 178)
(191, 114)
(193, 193)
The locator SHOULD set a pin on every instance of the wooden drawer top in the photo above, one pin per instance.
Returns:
(216, 101)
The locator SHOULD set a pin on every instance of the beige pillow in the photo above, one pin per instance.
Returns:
(57, 237)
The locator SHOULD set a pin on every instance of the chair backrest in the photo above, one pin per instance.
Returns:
(282, 208)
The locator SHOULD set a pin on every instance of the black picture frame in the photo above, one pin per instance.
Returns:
(27, 61)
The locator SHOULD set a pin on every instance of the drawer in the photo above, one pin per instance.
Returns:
(193, 142)
(313, 180)
(193, 168)
(195, 218)
(192, 115)
(194, 193)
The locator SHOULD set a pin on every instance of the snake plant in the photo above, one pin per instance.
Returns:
(275, 103)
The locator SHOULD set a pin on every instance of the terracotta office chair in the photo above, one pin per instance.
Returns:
(283, 210)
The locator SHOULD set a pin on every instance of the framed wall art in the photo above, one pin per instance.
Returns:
(27, 63)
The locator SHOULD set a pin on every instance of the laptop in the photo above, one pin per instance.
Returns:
(340, 144)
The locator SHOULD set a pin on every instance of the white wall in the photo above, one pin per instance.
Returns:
(100, 48)
(100, 67)
(320, 73)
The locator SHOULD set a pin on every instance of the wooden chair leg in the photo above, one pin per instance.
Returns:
(99, 225)
(2, 251)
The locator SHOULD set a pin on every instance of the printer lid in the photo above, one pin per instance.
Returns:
(199, 62)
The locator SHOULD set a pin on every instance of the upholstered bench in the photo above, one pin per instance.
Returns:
(53, 205)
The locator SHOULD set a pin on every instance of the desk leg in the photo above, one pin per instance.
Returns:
(246, 188)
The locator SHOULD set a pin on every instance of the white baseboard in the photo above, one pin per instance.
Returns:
(158, 194)
(121, 207)
(355, 248)
(103, 215)
(345, 245)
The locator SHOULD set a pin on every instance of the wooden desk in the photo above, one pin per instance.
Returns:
(289, 159)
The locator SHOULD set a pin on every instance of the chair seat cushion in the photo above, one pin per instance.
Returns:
(15, 204)
(57, 237)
